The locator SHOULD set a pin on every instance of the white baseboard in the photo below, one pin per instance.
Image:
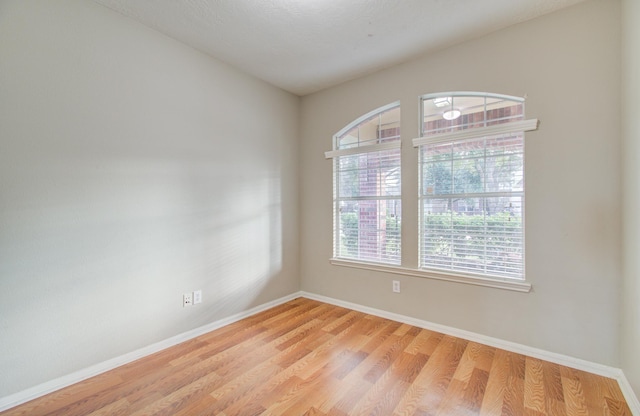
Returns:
(629, 394)
(65, 381)
(78, 376)
(565, 360)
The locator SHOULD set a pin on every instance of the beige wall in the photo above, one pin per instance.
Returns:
(568, 65)
(630, 333)
(132, 169)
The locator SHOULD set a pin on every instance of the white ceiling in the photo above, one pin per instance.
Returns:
(304, 46)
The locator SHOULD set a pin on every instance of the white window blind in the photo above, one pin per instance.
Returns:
(366, 188)
(472, 185)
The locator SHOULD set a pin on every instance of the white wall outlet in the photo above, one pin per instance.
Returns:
(396, 286)
(187, 299)
(197, 296)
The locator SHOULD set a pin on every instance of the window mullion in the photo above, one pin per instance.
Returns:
(484, 201)
(336, 206)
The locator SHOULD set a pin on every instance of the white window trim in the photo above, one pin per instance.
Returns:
(515, 285)
(360, 150)
(498, 283)
(364, 149)
(476, 132)
(366, 117)
(520, 285)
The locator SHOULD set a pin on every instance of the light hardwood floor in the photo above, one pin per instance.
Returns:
(310, 358)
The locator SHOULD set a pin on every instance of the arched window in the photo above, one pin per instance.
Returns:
(366, 187)
(471, 193)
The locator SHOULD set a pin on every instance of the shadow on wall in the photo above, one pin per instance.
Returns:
(96, 252)
(242, 242)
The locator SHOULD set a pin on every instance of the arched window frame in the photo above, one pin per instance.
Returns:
(366, 190)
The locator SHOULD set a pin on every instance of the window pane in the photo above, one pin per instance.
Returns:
(369, 174)
(504, 173)
(503, 111)
(370, 230)
(472, 189)
(504, 168)
(367, 189)
(467, 176)
(378, 128)
(437, 178)
(349, 139)
(505, 144)
(436, 234)
(474, 111)
(436, 151)
(467, 149)
(468, 236)
(505, 236)
(474, 235)
(471, 114)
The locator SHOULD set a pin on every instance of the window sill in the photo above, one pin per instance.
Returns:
(517, 286)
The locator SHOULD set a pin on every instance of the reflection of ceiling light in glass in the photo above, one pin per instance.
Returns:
(442, 102)
(451, 114)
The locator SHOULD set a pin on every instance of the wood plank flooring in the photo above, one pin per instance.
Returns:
(309, 358)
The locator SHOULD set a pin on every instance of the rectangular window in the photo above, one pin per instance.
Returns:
(472, 200)
(471, 192)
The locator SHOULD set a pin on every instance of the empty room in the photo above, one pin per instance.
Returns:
(319, 207)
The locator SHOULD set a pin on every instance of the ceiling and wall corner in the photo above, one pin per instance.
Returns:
(306, 46)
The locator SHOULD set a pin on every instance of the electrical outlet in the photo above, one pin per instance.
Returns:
(187, 299)
(197, 296)
(396, 286)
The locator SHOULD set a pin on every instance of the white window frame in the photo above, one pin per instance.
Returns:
(358, 150)
(458, 136)
(416, 271)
